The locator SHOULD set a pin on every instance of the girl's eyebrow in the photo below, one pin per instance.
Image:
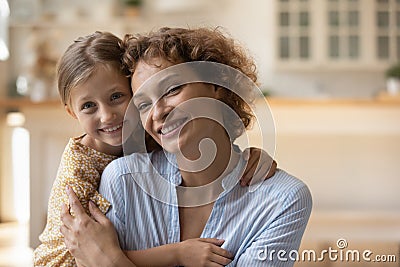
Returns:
(83, 99)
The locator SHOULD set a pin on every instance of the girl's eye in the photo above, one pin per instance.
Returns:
(87, 105)
(116, 96)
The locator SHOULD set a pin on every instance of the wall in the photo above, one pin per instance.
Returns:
(252, 23)
(346, 152)
(4, 148)
(50, 129)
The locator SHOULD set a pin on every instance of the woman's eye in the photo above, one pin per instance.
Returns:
(88, 105)
(174, 90)
(142, 106)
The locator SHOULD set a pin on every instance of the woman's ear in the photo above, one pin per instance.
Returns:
(70, 111)
(218, 91)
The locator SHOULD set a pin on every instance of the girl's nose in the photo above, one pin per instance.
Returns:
(107, 115)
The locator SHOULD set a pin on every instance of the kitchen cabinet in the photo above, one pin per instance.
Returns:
(337, 34)
(37, 42)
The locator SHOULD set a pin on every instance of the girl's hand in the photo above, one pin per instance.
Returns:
(203, 252)
(93, 242)
(260, 166)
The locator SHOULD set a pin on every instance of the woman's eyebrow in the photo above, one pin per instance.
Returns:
(168, 80)
(138, 95)
(160, 85)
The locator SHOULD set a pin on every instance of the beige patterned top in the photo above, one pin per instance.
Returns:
(81, 168)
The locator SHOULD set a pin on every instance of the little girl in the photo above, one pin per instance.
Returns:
(95, 90)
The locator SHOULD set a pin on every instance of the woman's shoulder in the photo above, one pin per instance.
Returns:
(284, 185)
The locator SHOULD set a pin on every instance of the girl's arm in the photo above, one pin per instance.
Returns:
(260, 166)
(191, 252)
(94, 242)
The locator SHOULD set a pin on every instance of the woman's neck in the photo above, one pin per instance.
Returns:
(215, 160)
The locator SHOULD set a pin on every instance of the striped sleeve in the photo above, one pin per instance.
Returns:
(111, 187)
(279, 242)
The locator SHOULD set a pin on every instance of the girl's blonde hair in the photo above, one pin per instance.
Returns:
(81, 59)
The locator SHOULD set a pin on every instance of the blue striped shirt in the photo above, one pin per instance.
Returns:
(263, 227)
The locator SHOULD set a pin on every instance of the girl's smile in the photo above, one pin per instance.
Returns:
(99, 104)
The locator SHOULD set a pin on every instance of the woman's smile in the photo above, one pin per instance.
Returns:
(172, 127)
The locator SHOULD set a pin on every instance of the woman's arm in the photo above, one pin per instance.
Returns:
(94, 242)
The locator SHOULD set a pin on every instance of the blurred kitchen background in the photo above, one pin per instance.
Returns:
(323, 65)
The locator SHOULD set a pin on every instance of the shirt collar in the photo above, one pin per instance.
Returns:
(228, 182)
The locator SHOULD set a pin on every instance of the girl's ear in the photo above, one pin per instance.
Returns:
(70, 111)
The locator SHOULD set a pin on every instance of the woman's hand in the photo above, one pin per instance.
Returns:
(260, 166)
(203, 252)
(93, 242)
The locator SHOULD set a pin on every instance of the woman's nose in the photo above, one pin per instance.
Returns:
(160, 111)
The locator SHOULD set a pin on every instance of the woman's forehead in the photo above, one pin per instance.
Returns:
(145, 69)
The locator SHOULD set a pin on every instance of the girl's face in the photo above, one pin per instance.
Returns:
(99, 104)
(162, 108)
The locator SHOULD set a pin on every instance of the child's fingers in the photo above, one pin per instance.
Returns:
(264, 171)
(262, 164)
(249, 172)
(215, 241)
(246, 178)
(220, 260)
(246, 154)
(214, 264)
(222, 252)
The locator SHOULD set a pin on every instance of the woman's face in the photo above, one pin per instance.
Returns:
(169, 112)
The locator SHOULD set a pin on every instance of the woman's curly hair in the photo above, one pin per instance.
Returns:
(179, 45)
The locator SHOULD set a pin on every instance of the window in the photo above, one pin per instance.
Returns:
(284, 19)
(337, 33)
(285, 47)
(294, 22)
(353, 18)
(334, 18)
(334, 46)
(388, 26)
(343, 29)
(383, 19)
